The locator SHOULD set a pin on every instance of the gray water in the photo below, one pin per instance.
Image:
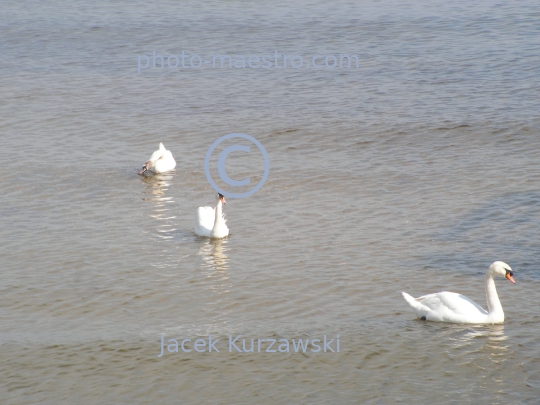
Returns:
(413, 172)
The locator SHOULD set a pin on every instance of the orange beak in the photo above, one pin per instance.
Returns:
(223, 200)
(509, 277)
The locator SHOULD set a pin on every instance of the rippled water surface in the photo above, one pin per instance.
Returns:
(413, 172)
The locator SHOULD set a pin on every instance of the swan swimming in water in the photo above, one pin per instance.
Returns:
(456, 308)
(210, 222)
(161, 161)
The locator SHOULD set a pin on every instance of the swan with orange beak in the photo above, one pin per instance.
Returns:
(210, 222)
(457, 308)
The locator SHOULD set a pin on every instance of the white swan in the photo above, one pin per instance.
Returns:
(452, 307)
(161, 161)
(211, 222)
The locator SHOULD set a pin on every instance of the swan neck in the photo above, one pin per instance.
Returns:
(493, 302)
(219, 213)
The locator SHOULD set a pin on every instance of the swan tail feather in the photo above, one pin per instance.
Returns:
(419, 309)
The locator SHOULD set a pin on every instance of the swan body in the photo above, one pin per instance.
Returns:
(456, 308)
(210, 222)
(161, 161)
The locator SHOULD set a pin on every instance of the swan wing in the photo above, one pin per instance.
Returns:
(165, 163)
(170, 160)
(156, 155)
(452, 307)
(204, 221)
(220, 230)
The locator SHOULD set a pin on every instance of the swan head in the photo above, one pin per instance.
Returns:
(502, 269)
(147, 166)
(221, 197)
(158, 154)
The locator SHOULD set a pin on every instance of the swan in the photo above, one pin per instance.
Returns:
(161, 161)
(456, 308)
(210, 222)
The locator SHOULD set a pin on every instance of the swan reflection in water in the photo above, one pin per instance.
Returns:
(155, 189)
(484, 345)
(213, 255)
(497, 343)
(215, 265)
